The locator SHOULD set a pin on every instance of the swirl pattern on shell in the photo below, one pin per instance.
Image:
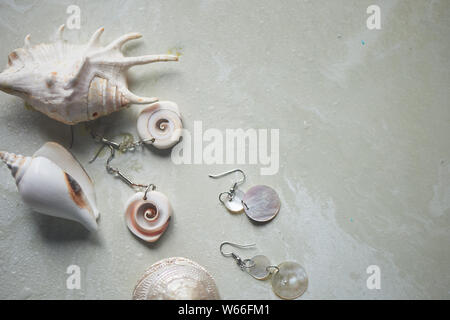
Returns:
(176, 279)
(148, 218)
(160, 121)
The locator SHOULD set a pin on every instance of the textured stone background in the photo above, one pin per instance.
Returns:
(364, 146)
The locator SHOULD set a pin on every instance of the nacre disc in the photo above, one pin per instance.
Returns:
(290, 281)
(176, 279)
(259, 268)
(262, 203)
(235, 205)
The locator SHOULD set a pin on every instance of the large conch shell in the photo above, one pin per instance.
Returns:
(52, 182)
(161, 124)
(176, 279)
(72, 83)
(148, 215)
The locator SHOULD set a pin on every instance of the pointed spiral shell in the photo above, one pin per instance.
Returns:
(104, 98)
(160, 121)
(16, 163)
(176, 279)
(148, 218)
(52, 182)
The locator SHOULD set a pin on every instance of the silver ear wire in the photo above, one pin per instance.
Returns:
(229, 194)
(225, 243)
(215, 176)
(233, 187)
(113, 146)
(243, 264)
(124, 146)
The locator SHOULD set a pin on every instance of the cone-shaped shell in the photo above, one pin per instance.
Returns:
(52, 182)
(72, 83)
(148, 217)
(176, 279)
(160, 121)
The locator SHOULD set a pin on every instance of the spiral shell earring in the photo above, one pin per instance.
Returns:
(289, 279)
(260, 203)
(148, 212)
(160, 124)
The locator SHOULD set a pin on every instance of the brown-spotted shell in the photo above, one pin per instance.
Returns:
(176, 279)
(148, 218)
(54, 183)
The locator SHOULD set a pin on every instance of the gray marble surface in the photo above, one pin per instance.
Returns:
(364, 150)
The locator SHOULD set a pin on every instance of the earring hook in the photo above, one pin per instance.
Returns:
(233, 188)
(117, 172)
(215, 176)
(230, 254)
(243, 264)
(124, 146)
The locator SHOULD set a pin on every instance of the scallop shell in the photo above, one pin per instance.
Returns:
(52, 182)
(72, 83)
(148, 218)
(176, 279)
(160, 121)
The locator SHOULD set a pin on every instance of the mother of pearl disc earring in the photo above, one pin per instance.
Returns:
(289, 279)
(260, 203)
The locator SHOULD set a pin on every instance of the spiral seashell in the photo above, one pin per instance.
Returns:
(52, 182)
(176, 279)
(16, 163)
(148, 218)
(160, 121)
(72, 83)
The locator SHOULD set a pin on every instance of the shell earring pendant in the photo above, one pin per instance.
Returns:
(160, 124)
(289, 279)
(147, 212)
(260, 203)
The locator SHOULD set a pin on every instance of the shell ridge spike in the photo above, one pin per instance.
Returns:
(27, 41)
(119, 42)
(95, 38)
(80, 72)
(129, 62)
(88, 78)
(133, 98)
(59, 33)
